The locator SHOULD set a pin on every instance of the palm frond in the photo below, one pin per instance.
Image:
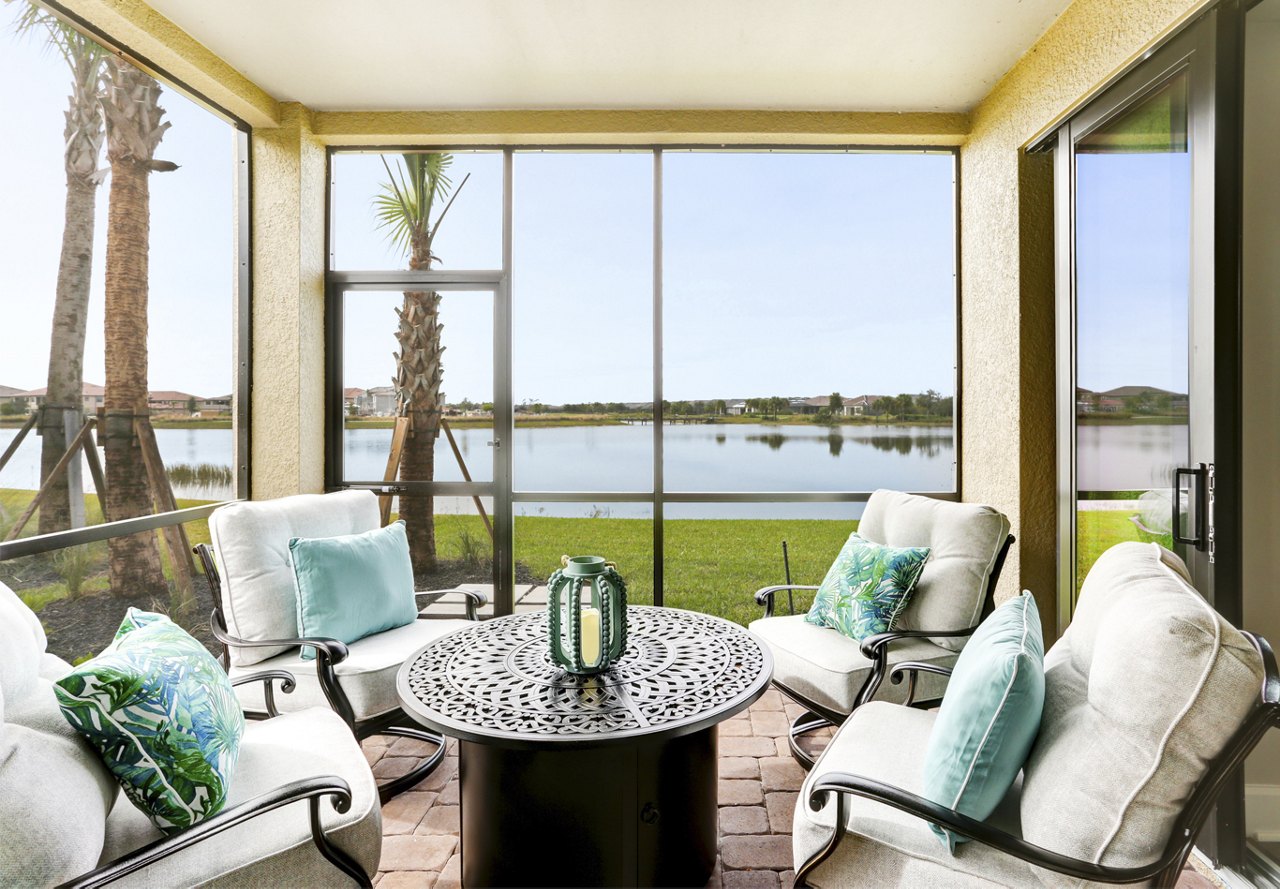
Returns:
(66, 40)
(403, 205)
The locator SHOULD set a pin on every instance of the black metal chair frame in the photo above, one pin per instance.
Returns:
(330, 653)
(313, 790)
(876, 649)
(1163, 871)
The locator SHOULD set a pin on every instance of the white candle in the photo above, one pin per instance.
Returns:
(590, 636)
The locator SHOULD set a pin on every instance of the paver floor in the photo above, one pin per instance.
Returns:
(759, 785)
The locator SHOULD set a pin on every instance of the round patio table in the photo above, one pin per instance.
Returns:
(606, 780)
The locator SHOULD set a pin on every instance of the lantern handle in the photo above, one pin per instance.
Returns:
(564, 561)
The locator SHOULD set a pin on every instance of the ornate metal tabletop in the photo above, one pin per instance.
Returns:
(495, 682)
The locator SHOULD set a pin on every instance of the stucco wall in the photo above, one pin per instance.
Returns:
(288, 307)
(1006, 313)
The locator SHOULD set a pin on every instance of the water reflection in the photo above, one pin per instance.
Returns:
(835, 444)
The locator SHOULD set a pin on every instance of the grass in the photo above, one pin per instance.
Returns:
(1099, 530)
(712, 565)
(79, 570)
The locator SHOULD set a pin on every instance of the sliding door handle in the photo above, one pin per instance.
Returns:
(1198, 476)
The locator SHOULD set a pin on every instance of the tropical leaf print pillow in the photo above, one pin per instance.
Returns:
(162, 714)
(867, 587)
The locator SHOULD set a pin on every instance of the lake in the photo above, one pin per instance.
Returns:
(715, 458)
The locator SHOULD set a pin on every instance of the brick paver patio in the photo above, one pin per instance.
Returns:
(759, 785)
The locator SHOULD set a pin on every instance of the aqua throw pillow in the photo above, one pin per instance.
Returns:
(989, 716)
(353, 586)
(163, 716)
(867, 587)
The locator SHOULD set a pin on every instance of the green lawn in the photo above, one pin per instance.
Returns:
(712, 565)
(1099, 530)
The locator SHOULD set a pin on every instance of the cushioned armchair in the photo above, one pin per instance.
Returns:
(256, 619)
(830, 674)
(302, 808)
(1151, 701)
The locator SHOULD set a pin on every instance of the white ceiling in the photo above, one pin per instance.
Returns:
(851, 55)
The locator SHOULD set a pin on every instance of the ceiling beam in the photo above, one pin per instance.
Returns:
(157, 45)
(618, 127)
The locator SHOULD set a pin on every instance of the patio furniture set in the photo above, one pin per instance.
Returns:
(1149, 701)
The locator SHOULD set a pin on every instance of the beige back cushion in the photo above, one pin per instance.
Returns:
(1142, 691)
(964, 540)
(251, 543)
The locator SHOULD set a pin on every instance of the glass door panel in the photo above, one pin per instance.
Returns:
(582, 304)
(445, 387)
(1133, 178)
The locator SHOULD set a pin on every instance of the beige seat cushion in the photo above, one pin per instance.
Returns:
(273, 849)
(964, 541)
(829, 669)
(368, 675)
(885, 847)
(251, 545)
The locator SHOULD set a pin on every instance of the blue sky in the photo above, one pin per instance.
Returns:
(786, 273)
(192, 254)
(1133, 242)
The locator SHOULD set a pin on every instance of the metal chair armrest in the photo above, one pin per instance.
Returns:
(268, 678)
(912, 671)
(764, 595)
(335, 651)
(473, 599)
(845, 785)
(310, 789)
(872, 646)
(876, 649)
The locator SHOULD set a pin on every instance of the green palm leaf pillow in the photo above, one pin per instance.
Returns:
(161, 713)
(867, 587)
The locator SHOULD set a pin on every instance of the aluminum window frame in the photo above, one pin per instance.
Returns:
(658, 496)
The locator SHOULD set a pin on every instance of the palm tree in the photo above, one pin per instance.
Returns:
(132, 111)
(83, 135)
(404, 209)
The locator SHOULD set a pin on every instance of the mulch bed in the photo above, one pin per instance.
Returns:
(82, 627)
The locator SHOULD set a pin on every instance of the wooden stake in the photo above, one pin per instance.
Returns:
(174, 536)
(17, 439)
(462, 464)
(58, 470)
(393, 466)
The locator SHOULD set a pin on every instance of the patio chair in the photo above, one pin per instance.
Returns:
(302, 808)
(1151, 701)
(831, 675)
(255, 619)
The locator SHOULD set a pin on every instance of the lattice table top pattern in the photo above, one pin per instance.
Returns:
(495, 681)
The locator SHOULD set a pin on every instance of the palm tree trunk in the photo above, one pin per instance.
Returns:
(419, 374)
(83, 139)
(135, 559)
(66, 347)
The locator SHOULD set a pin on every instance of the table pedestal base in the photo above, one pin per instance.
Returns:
(641, 814)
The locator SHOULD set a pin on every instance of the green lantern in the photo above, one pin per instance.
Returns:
(586, 614)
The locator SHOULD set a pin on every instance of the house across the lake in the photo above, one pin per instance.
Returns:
(28, 400)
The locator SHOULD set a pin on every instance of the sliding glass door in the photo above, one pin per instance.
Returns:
(1148, 218)
(1136, 333)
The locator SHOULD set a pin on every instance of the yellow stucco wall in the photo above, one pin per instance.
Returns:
(288, 307)
(1008, 437)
